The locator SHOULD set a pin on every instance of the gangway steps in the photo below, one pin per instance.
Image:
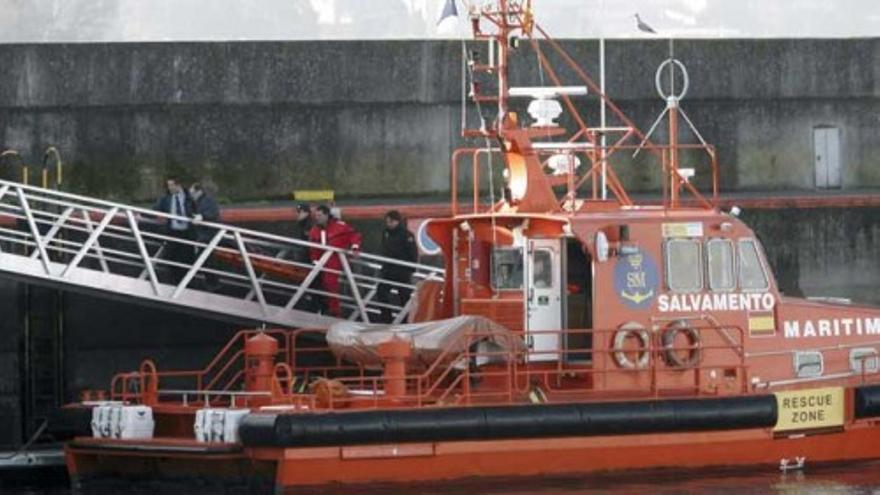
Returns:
(123, 287)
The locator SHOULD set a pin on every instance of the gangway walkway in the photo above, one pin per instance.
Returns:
(83, 244)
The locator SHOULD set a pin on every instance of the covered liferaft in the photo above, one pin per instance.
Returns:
(447, 339)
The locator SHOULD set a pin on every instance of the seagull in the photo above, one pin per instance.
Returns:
(642, 26)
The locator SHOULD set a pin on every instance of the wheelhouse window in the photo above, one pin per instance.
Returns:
(507, 269)
(751, 271)
(719, 253)
(684, 265)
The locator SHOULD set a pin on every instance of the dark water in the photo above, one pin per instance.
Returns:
(849, 479)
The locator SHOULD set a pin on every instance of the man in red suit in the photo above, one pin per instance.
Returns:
(335, 233)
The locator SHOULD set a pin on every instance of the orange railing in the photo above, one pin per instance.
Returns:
(574, 182)
(453, 378)
(302, 358)
(481, 374)
(224, 373)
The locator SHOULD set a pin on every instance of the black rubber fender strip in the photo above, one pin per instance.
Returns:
(506, 422)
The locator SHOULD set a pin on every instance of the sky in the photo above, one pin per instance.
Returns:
(184, 20)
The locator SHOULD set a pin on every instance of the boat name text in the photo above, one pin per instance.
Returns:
(833, 327)
(669, 303)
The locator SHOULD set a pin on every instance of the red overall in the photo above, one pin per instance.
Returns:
(337, 234)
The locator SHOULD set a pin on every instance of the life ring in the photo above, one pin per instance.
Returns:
(620, 353)
(672, 354)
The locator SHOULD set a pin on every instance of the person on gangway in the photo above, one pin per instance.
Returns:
(177, 249)
(205, 209)
(301, 230)
(329, 231)
(398, 243)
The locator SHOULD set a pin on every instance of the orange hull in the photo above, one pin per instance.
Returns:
(564, 456)
(448, 461)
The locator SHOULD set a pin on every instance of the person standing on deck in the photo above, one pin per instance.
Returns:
(205, 209)
(335, 233)
(177, 202)
(398, 243)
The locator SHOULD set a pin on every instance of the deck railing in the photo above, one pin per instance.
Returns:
(510, 373)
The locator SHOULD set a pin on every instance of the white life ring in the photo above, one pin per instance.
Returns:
(620, 353)
(671, 354)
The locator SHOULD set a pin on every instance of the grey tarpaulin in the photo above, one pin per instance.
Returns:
(358, 342)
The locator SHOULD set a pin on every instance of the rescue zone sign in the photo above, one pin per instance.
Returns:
(809, 409)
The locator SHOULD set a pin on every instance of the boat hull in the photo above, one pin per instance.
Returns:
(278, 470)
(565, 456)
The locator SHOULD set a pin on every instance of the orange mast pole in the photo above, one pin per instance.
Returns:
(674, 185)
(501, 40)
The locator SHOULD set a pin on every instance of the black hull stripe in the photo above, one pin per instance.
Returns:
(507, 422)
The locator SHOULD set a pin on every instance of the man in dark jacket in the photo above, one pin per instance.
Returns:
(301, 230)
(205, 209)
(177, 202)
(300, 254)
(397, 243)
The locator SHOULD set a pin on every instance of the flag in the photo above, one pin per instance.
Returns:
(449, 10)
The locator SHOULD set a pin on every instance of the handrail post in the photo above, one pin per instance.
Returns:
(652, 358)
(53, 152)
(453, 186)
(475, 171)
(24, 167)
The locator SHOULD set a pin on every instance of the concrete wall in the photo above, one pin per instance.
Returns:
(380, 118)
(822, 252)
(10, 354)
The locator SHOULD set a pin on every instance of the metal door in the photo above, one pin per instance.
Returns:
(826, 150)
(544, 305)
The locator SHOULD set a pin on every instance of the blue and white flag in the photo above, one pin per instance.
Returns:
(449, 10)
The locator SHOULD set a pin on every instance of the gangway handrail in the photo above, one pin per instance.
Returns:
(65, 233)
(233, 228)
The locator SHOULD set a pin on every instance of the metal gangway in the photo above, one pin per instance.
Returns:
(84, 244)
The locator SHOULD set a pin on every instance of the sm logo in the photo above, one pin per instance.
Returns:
(636, 279)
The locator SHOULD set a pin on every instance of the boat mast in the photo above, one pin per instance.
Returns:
(527, 147)
(501, 37)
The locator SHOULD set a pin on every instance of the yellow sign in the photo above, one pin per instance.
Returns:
(761, 325)
(313, 195)
(689, 229)
(808, 409)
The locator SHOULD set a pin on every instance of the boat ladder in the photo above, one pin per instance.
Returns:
(83, 244)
